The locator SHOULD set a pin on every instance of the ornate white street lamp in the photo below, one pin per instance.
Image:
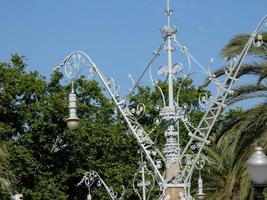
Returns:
(257, 170)
(178, 161)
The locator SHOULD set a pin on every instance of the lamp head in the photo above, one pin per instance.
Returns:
(200, 196)
(257, 166)
(72, 123)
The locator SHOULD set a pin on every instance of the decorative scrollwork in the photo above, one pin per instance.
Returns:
(139, 110)
(195, 146)
(163, 71)
(200, 163)
(178, 178)
(91, 74)
(143, 183)
(203, 99)
(188, 159)
(177, 67)
(166, 197)
(182, 196)
(157, 108)
(91, 177)
(133, 83)
(99, 183)
(156, 121)
(73, 65)
(211, 76)
(159, 164)
(156, 83)
(114, 88)
(230, 69)
(258, 41)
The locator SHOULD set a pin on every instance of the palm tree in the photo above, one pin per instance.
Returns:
(240, 131)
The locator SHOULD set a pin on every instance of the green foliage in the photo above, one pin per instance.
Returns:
(6, 177)
(237, 43)
(48, 160)
(239, 131)
(188, 96)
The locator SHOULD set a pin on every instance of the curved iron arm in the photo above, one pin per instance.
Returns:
(143, 139)
(217, 103)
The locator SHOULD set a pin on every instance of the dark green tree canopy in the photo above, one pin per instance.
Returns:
(46, 158)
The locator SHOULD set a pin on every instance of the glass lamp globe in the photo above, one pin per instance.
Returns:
(201, 196)
(72, 123)
(257, 166)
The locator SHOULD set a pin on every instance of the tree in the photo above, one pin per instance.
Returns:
(6, 177)
(47, 159)
(241, 130)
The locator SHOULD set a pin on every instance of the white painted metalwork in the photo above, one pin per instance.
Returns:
(73, 119)
(144, 184)
(91, 177)
(200, 193)
(179, 162)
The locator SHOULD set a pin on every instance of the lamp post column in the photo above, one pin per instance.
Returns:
(258, 194)
(172, 148)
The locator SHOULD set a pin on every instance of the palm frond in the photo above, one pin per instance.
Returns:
(239, 133)
(258, 69)
(247, 91)
(263, 74)
(237, 43)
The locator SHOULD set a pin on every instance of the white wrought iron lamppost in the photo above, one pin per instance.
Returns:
(257, 170)
(178, 161)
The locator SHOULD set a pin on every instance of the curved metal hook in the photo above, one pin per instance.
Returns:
(155, 83)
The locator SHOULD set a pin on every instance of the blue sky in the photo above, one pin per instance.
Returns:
(120, 35)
